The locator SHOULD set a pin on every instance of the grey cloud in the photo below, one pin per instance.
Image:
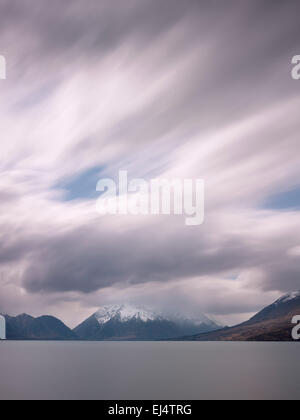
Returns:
(221, 63)
(93, 24)
(232, 79)
(88, 259)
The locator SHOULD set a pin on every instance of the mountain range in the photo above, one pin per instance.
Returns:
(125, 322)
(26, 327)
(273, 323)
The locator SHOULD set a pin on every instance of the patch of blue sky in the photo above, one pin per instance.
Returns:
(287, 200)
(83, 185)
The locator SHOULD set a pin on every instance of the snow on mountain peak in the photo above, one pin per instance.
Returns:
(288, 297)
(124, 313)
(199, 320)
(127, 312)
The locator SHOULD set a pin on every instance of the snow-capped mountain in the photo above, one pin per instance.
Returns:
(127, 322)
(282, 307)
(273, 323)
(287, 298)
(124, 313)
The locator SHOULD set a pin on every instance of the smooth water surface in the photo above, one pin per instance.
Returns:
(149, 370)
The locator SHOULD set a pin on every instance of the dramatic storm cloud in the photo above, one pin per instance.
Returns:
(161, 88)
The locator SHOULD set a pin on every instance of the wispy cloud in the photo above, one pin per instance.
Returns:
(172, 88)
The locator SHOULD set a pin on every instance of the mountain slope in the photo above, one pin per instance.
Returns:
(25, 327)
(274, 323)
(124, 322)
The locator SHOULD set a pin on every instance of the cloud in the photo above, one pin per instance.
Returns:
(189, 89)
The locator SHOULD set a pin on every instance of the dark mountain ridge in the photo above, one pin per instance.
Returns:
(26, 327)
(273, 323)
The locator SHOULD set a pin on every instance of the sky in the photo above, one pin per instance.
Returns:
(160, 88)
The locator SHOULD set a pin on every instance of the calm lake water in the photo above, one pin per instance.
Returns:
(185, 370)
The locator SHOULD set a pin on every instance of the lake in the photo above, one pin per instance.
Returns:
(149, 370)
